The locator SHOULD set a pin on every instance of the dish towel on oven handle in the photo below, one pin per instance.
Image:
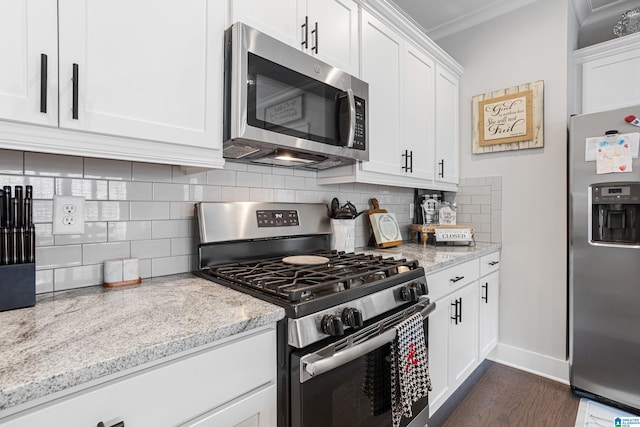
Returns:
(409, 367)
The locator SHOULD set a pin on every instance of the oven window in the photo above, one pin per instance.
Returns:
(287, 102)
(357, 394)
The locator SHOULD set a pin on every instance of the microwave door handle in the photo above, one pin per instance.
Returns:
(314, 367)
(352, 118)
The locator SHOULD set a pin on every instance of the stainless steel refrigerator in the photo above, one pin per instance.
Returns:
(604, 258)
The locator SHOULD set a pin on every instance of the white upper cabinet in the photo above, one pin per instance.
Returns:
(447, 126)
(418, 117)
(29, 68)
(606, 75)
(147, 69)
(139, 81)
(382, 53)
(412, 111)
(327, 29)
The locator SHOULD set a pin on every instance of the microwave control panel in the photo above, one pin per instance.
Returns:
(359, 139)
(277, 218)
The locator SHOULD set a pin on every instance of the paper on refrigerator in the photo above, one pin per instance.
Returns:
(592, 144)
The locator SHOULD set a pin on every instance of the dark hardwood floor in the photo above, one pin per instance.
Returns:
(504, 396)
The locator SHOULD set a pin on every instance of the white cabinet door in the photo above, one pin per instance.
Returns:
(609, 82)
(254, 410)
(463, 334)
(381, 67)
(418, 119)
(335, 39)
(28, 30)
(439, 356)
(488, 313)
(447, 119)
(327, 29)
(279, 19)
(149, 69)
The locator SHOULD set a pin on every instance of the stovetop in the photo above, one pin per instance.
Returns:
(304, 289)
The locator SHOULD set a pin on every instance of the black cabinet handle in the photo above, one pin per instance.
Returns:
(460, 314)
(315, 31)
(74, 108)
(305, 28)
(456, 279)
(455, 315)
(492, 263)
(405, 160)
(112, 423)
(411, 161)
(485, 288)
(441, 165)
(43, 82)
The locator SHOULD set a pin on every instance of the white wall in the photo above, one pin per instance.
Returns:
(524, 46)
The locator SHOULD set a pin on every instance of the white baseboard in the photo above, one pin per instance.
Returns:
(536, 363)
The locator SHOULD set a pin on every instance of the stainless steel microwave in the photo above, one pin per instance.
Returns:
(284, 107)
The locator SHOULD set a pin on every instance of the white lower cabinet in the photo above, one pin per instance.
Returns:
(462, 331)
(228, 383)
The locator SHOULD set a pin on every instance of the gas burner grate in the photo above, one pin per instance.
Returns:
(297, 283)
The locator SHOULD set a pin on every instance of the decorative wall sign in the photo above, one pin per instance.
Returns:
(508, 119)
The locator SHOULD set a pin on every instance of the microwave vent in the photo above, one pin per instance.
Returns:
(239, 151)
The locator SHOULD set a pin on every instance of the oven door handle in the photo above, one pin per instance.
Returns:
(312, 366)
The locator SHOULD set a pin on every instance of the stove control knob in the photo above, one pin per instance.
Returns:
(352, 317)
(332, 325)
(413, 291)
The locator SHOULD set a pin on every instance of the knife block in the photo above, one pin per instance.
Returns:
(17, 286)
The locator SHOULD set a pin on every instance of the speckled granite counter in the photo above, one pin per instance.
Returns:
(435, 257)
(70, 338)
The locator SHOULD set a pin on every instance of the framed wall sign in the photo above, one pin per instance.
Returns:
(508, 119)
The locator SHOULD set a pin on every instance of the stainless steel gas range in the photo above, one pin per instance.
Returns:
(341, 308)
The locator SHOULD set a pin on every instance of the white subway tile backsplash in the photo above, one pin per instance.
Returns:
(261, 195)
(285, 196)
(151, 172)
(170, 265)
(90, 189)
(235, 166)
(150, 210)
(181, 210)
(42, 211)
(282, 171)
(222, 177)
(170, 192)
(144, 268)
(249, 179)
(294, 182)
(273, 181)
(234, 194)
(138, 191)
(94, 232)
(481, 219)
(44, 234)
(184, 175)
(155, 248)
(97, 253)
(205, 193)
(129, 230)
(262, 169)
(183, 246)
(106, 211)
(77, 277)
(107, 169)
(172, 228)
(44, 281)
(58, 256)
(52, 165)
(11, 162)
(481, 200)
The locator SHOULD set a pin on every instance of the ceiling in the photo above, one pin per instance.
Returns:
(442, 18)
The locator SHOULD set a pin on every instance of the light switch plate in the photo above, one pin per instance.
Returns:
(68, 215)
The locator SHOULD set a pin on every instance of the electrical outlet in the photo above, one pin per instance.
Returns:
(68, 215)
(411, 209)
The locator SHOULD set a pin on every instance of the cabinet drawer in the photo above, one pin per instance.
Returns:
(448, 280)
(489, 263)
(170, 393)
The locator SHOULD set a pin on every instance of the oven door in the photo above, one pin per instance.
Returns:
(348, 382)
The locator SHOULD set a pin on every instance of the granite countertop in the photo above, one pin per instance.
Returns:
(433, 258)
(73, 337)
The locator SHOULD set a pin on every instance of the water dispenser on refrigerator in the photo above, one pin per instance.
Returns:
(614, 214)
